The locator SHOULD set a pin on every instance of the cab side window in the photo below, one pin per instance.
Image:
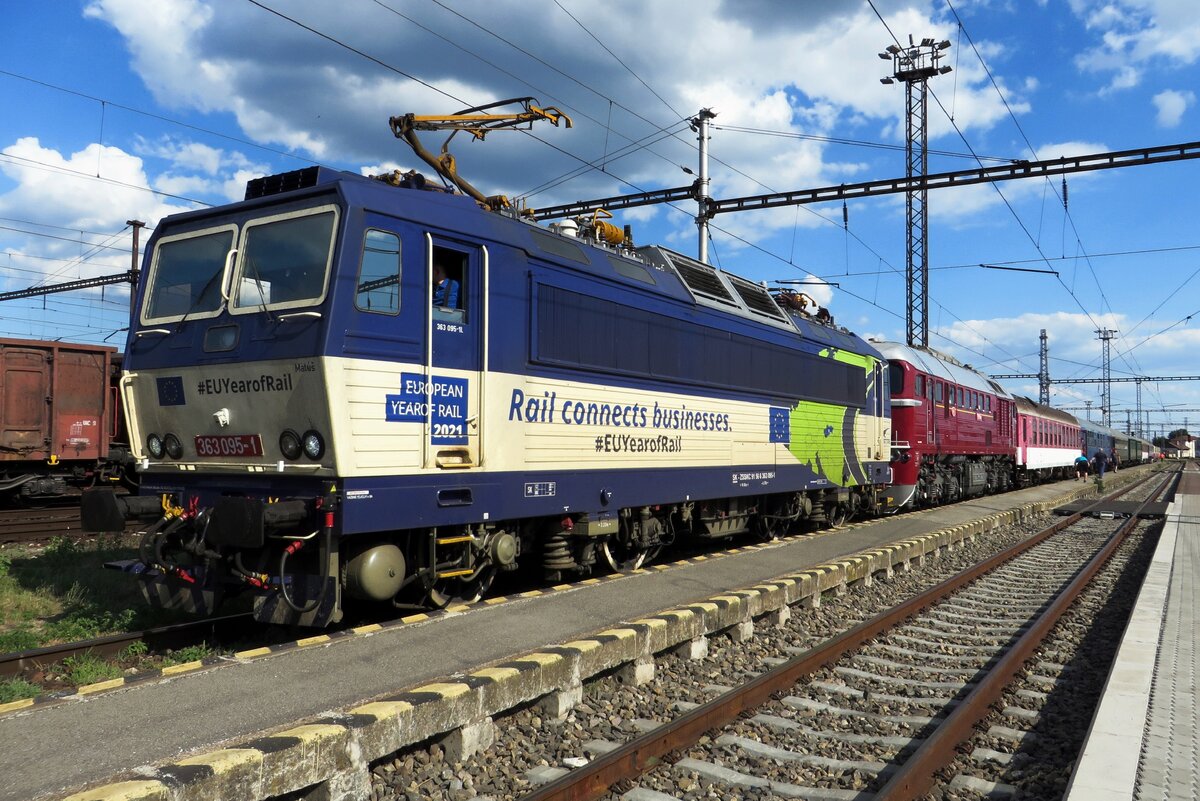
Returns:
(379, 273)
(449, 290)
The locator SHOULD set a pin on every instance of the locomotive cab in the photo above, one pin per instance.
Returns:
(253, 323)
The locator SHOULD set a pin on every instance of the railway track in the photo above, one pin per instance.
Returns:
(534, 736)
(157, 640)
(239, 629)
(897, 694)
(21, 526)
(26, 526)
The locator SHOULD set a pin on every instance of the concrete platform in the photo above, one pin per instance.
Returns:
(182, 722)
(1153, 679)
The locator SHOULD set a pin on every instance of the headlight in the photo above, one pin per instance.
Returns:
(314, 445)
(289, 444)
(154, 444)
(173, 445)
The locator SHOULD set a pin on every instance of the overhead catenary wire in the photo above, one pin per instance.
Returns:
(1127, 354)
(787, 260)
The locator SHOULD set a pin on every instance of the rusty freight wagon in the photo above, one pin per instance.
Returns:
(61, 426)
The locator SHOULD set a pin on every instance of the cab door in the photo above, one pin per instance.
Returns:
(455, 353)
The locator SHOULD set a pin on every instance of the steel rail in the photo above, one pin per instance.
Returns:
(162, 637)
(32, 525)
(645, 752)
(917, 774)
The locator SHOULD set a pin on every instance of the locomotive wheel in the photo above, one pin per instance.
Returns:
(768, 530)
(622, 557)
(466, 590)
(838, 515)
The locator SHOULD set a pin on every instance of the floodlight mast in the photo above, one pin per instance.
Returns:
(915, 65)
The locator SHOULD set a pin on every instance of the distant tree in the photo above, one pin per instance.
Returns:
(1160, 441)
(1178, 433)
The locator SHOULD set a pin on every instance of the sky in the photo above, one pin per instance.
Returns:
(119, 110)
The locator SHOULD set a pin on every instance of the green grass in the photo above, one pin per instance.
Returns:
(22, 639)
(16, 689)
(135, 650)
(87, 669)
(192, 653)
(63, 593)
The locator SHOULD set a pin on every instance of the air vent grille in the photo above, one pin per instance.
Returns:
(757, 299)
(701, 279)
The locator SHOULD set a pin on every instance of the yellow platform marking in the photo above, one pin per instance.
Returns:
(314, 732)
(319, 639)
(100, 686)
(186, 667)
(446, 690)
(497, 674)
(226, 760)
(13, 706)
(620, 634)
(542, 659)
(381, 710)
(124, 791)
(252, 653)
(583, 646)
(654, 623)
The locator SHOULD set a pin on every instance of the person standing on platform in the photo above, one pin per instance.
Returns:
(1081, 467)
(1100, 462)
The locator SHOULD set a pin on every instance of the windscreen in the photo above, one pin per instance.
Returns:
(284, 261)
(186, 277)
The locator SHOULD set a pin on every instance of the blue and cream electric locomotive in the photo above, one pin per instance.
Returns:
(317, 419)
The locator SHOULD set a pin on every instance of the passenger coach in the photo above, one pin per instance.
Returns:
(1048, 441)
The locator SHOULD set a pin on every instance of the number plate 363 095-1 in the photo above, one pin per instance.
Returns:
(229, 445)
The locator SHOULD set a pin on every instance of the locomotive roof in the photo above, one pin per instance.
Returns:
(940, 366)
(677, 276)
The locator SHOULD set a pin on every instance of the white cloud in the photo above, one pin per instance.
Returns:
(1135, 35)
(50, 186)
(1171, 105)
(796, 68)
